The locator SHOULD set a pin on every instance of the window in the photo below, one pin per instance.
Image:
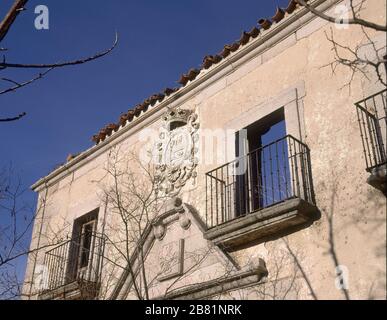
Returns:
(82, 245)
(85, 243)
(74, 267)
(263, 173)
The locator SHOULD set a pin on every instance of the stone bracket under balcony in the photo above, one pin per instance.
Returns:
(77, 290)
(263, 224)
(378, 178)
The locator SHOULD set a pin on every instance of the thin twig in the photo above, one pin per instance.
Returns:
(4, 64)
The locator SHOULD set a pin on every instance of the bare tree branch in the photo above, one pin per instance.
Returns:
(13, 118)
(299, 266)
(9, 19)
(5, 26)
(4, 65)
(352, 58)
(355, 58)
(25, 83)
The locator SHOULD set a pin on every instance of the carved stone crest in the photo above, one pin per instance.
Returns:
(177, 150)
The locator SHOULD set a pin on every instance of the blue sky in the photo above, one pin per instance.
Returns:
(159, 40)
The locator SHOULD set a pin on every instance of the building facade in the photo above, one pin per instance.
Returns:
(262, 177)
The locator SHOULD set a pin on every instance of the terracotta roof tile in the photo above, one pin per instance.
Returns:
(137, 110)
(291, 6)
(96, 138)
(111, 127)
(191, 75)
(228, 49)
(279, 15)
(130, 115)
(265, 23)
(169, 91)
(208, 62)
(123, 118)
(244, 38)
(254, 32)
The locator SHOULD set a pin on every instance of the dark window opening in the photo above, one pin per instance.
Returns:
(263, 177)
(85, 246)
(81, 247)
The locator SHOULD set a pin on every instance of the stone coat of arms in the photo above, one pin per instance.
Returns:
(177, 151)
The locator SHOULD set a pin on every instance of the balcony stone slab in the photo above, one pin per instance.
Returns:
(77, 290)
(263, 224)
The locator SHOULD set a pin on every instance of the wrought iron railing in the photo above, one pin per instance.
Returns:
(372, 117)
(76, 260)
(264, 177)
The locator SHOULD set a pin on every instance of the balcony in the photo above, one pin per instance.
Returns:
(372, 120)
(73, 269)
(266, 193)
